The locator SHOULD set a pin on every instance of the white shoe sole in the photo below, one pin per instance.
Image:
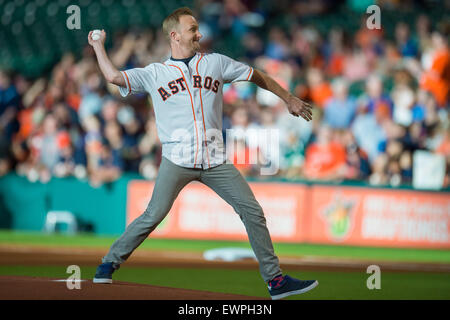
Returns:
(95, 280)
(291, 293)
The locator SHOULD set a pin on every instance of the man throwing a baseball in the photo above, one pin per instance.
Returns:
(186, 92)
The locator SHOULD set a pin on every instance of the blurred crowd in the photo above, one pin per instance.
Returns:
(377, 99)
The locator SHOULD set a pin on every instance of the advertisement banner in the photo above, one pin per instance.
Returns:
(313, 214)
(199, 213)
(377, 217)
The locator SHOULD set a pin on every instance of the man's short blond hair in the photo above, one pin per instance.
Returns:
(173, 19)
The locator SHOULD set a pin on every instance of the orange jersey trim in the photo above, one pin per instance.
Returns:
(128, 82)
(248, 77)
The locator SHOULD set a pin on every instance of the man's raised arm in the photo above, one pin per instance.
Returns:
(295, 106)
(112, 75)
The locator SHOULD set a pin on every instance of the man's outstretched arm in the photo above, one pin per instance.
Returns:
(295, 106)
(111, 74)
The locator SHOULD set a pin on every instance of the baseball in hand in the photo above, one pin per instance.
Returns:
(96, 34)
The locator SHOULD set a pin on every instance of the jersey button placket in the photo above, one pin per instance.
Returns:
(200, 124)
(198, 114)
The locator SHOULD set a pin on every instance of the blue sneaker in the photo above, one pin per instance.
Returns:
(284, 286)
(104, 273)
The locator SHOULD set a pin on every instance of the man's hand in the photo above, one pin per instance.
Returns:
(298, 107)
(295, 106)
(100, 41)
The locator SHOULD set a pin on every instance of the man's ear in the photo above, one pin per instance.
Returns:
(174, 35)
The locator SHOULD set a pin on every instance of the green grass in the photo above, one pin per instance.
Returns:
(332, 285)
(282, 249)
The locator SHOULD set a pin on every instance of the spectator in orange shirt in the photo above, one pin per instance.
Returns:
(319, 89)
(325, 159)
(241, 157)
(437, 78)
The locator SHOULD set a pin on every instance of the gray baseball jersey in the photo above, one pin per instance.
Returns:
(187, 101)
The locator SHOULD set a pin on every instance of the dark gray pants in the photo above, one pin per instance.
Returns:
(229, 184)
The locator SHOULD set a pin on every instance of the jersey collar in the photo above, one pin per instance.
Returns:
(183, 60)
(191, 59)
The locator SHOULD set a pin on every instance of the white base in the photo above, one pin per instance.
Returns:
(290, 293)
(95, 280)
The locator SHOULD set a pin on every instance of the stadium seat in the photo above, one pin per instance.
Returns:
(60, 217)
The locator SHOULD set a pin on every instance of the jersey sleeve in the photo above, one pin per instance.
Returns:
(137, 80)
(233, 71)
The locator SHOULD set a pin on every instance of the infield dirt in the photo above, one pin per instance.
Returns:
(33, 288)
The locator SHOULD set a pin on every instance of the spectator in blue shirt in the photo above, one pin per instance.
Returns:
(340, 109)
(9, 106)
(406, 44)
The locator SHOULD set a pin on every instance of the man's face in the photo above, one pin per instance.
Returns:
(188, 33)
